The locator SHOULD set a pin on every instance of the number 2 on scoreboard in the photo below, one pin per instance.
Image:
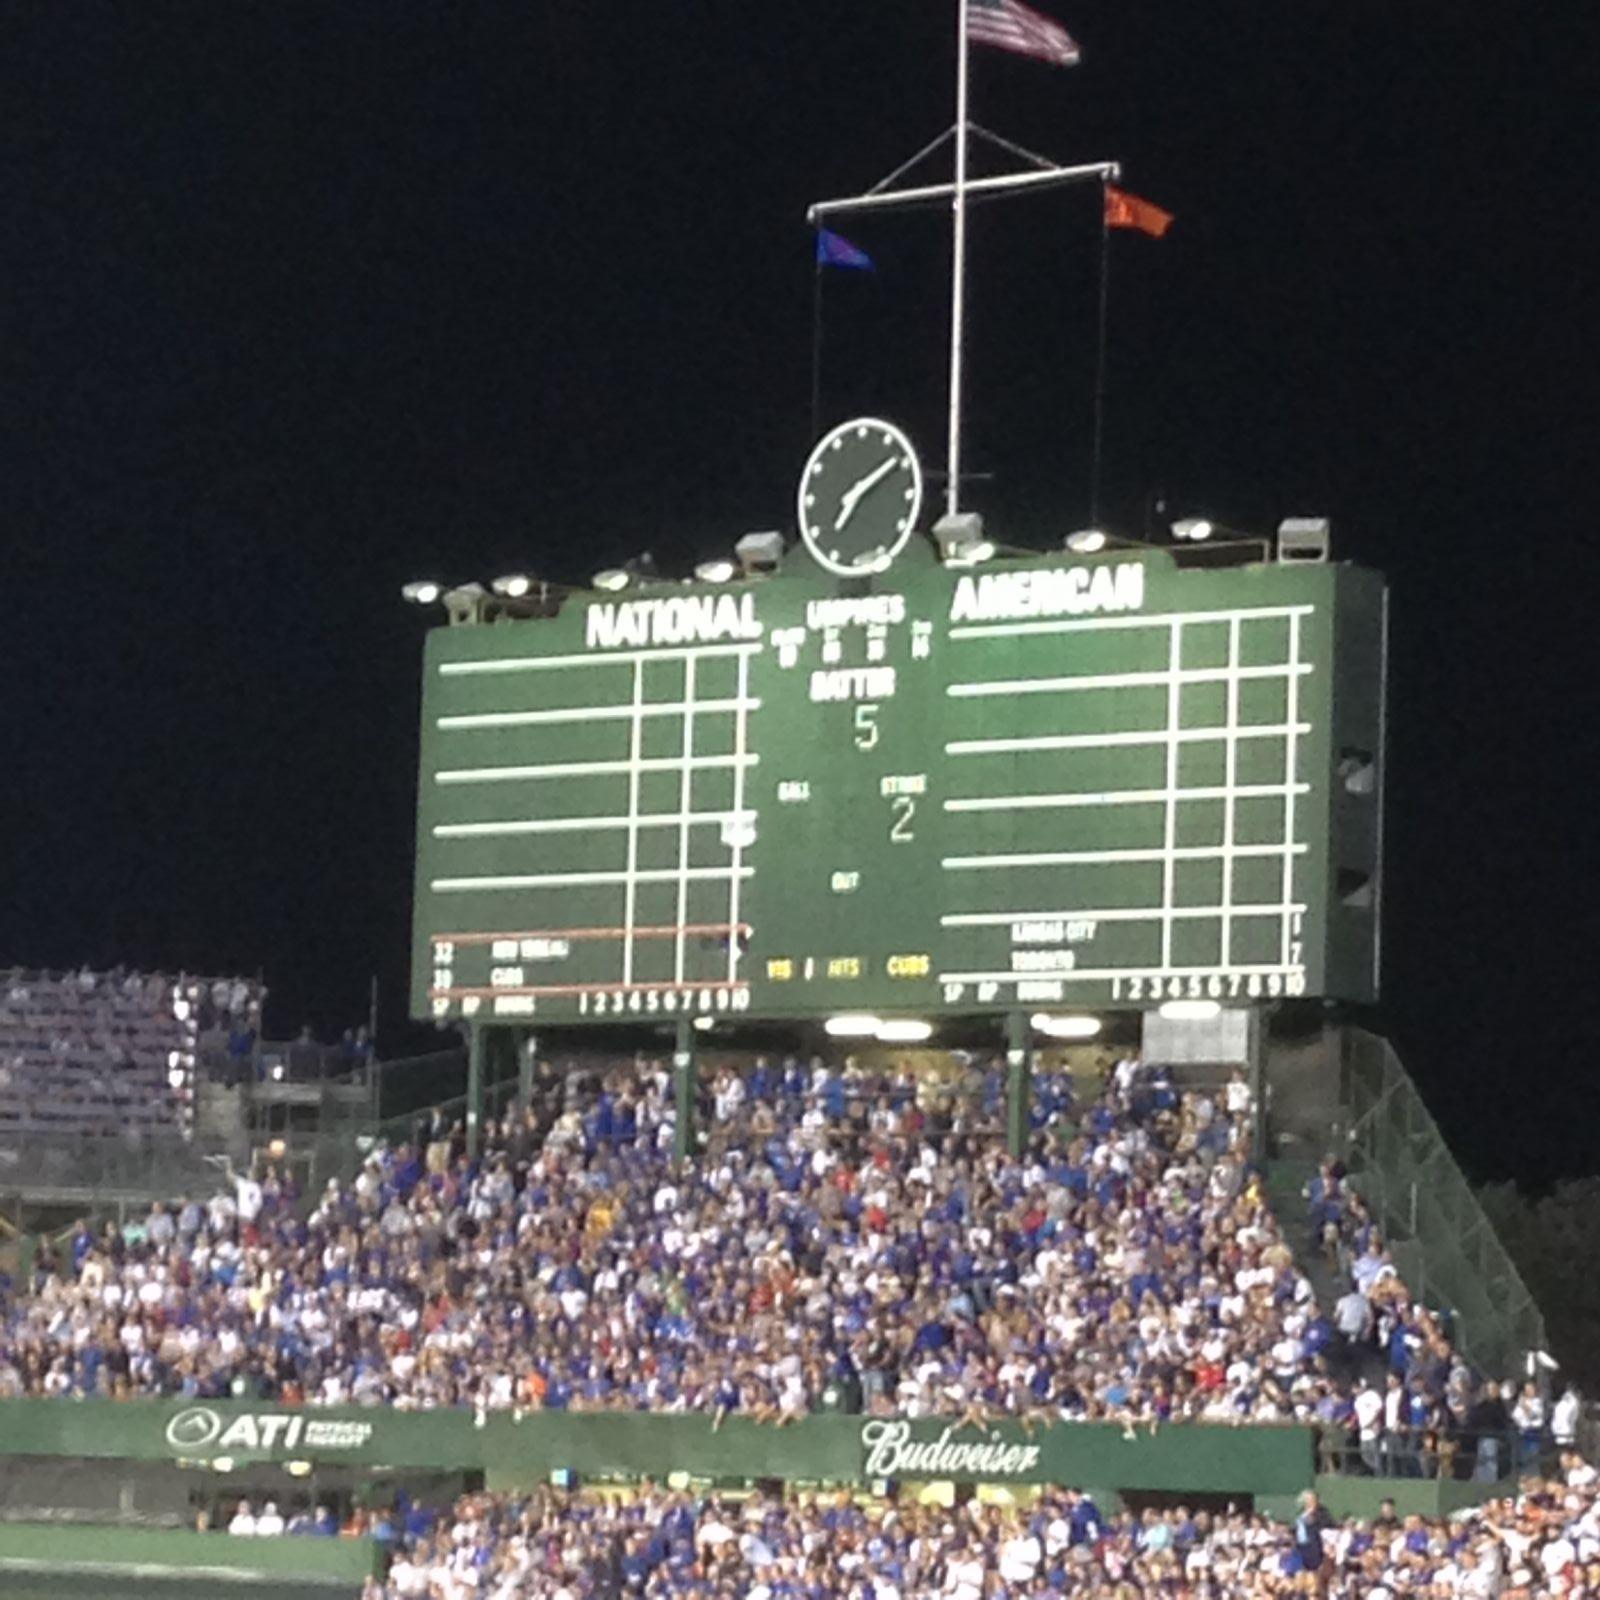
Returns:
(904, 808)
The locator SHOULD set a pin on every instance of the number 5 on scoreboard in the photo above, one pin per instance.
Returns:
(866, 727)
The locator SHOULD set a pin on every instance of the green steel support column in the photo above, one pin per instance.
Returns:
(1019, 1080)
(683, 1091)
(526, 1055)
(477, 1043)
(1257, 1074)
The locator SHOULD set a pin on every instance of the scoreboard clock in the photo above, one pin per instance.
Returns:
(859, 498)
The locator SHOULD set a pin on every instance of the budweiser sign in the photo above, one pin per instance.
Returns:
(892, 1452)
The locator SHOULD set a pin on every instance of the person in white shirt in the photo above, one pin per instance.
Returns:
(270, 1522)
(1368, 1405)
(1020, 1556)
(244, 1522)
(1564, 1419)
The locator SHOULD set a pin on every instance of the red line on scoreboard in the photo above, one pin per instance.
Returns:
(669, 931)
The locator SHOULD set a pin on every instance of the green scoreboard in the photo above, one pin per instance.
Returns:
(1046, 782)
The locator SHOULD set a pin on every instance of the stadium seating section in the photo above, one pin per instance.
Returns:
(107, 1055)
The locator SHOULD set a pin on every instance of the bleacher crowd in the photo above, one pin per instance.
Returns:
(839, 1241)
(1543, 1541)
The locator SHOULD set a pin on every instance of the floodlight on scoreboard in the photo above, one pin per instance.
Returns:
(1052, 784)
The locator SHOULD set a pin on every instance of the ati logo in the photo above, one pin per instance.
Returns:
(200, 1428)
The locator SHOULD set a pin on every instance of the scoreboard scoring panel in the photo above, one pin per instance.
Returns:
(1044, 782)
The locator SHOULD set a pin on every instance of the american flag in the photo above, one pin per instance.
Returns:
(1011, 25)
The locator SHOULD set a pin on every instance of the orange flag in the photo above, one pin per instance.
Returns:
(1124, 210)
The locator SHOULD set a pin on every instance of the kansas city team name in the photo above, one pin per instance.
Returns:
(1051, 592)
(682, 619)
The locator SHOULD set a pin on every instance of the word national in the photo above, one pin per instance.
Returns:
(682, 619)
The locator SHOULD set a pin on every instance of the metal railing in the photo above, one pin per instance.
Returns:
(74, 1170)
(1444, 1245)
(1458, 1455)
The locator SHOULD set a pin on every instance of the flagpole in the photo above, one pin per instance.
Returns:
(958, 268)
(816, 349)
(1100, 361)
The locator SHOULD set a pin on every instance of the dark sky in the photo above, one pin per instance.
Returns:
(302, 301)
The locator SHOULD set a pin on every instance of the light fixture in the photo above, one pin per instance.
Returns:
(852, 1025)
(1086, 542)
(422, 592)
(905, 1030)
(705, 1024)
(1074, 1027)
(464, 603)
(1190, 1010)
(759, 552)
(1193, 528)
(962, 541)
(513, 586)
(636, 569)
(718, 570)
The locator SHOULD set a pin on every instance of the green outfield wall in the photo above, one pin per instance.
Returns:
(527, 1447)
(337, 1565)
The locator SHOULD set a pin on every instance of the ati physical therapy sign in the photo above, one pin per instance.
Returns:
(201, 1431)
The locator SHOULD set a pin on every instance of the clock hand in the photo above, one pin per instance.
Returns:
(852, 495)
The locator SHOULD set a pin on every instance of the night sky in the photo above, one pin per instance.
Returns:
(300, 302)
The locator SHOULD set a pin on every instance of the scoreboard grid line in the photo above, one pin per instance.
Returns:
(569, 880)
(1093, 974)
(1118, 680)
(997, 919)
(665, 819)
(580, 769)
(1009, 630)
(1230, 759)
(528, 719)
(631, 886)
(740, 735)
(1108, 741)
(1118, 797)
(506, 664)
(1169, 865)
(685, 802)
(660, 931)
(1291, 770)
(1072, 858)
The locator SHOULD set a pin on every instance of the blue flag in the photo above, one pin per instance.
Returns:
(834, 250)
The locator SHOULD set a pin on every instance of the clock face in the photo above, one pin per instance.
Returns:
(860, 496)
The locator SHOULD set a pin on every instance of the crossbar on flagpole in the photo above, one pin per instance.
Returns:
(1005, 182)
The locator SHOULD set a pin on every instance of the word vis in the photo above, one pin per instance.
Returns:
(1052, 592)
(682, 619)
(891, 1452)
